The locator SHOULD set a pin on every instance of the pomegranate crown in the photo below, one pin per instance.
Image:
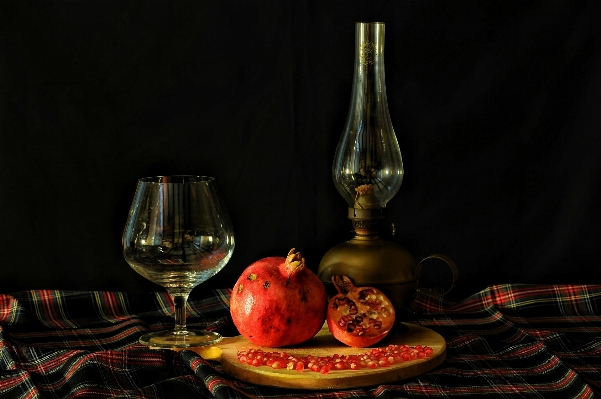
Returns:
(294, 261)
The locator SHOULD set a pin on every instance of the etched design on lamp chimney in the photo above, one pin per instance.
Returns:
(367, 53)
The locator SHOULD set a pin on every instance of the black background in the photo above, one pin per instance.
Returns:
(496, 106)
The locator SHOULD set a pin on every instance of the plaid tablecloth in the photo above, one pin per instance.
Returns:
(508, 341)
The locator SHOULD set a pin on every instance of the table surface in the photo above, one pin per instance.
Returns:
(507, 341)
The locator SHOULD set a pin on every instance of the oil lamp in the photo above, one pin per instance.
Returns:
(368, 172)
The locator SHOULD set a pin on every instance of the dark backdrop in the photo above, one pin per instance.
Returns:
(496, 106)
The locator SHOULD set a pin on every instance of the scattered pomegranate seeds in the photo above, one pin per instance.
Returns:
(373, 358)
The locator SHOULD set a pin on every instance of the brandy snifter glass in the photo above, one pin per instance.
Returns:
(178, 234)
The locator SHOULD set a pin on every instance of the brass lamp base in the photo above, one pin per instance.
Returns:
(369, 260)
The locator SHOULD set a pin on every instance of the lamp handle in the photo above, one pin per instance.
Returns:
(434, 291)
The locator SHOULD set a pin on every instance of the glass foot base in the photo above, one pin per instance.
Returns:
(180, 339)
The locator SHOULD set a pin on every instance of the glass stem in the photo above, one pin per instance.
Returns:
(180, 300)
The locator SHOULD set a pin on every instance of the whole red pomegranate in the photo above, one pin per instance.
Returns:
(278, 302)
(359, 316)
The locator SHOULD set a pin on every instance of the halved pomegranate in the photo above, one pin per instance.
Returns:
(359, 316)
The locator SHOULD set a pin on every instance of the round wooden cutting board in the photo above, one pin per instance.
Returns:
(324, 344)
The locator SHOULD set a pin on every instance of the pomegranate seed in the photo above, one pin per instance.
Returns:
(373, 358)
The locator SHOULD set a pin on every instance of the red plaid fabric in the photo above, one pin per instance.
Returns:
(508, 341)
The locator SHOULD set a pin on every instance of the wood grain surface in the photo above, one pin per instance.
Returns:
(323, 344)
